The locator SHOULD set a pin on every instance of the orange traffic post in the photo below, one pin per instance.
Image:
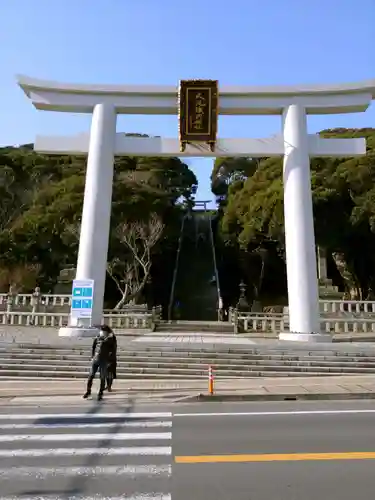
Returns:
(210, 381)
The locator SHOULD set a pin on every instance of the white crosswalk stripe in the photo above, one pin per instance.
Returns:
(83, 456)
(152, 496)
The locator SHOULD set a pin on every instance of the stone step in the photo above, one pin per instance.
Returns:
(217, 349)
(171, 361)
(208, 356)
(130, 361)
(195, 327)
(184, 369)
(35, 374)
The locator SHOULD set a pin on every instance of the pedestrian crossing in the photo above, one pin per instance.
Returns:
(83, 456)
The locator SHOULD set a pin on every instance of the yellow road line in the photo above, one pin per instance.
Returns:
(274, 457)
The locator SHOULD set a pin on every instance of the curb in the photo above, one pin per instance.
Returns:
(218, 398)
(122, 392)
(222, 398)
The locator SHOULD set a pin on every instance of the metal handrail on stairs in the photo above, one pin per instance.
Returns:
(215, 268)
(173, 287)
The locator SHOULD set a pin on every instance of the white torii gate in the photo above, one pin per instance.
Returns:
(295, 144)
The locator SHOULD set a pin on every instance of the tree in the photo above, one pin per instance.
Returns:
(42, 200)
(23, 172)
(131, 273)
(226, 171)
(22, 278)
(344, 211)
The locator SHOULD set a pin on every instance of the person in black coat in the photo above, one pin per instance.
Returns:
(112, 365)
(102, 348)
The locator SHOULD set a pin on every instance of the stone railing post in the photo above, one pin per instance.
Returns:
(36, 298)
(155, 318)
(235, 319)
(11, 299)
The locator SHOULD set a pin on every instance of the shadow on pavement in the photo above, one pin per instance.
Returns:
(77, 484)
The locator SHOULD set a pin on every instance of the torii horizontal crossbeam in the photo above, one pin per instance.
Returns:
(163, 100)
(157, 146)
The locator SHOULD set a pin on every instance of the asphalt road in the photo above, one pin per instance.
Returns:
(278, 451)
(239, 451)
(91, 451)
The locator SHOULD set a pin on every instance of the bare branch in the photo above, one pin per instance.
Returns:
(139, 238)
(112, 274)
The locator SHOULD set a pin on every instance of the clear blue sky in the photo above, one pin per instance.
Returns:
(162, 41)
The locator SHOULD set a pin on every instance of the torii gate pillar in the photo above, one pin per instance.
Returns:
(303, 292)
(96, 213)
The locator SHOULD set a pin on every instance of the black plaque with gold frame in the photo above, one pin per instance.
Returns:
(198, 112)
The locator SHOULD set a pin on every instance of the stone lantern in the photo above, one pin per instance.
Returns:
(242, 304)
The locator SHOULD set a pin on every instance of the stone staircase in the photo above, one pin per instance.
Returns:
(196, 291)
(183, 362)
(176, 327)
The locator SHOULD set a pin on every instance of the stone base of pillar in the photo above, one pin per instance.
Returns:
(305, 337)
(78, 332)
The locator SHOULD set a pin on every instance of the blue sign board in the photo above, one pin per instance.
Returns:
(82, 298)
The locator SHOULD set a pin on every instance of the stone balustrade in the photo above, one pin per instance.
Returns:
(26, 301)
(276, 323)
(117, 320)
(51, 310)
(362, 307)
(35, 302)
(46, 306)
(260, 324)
